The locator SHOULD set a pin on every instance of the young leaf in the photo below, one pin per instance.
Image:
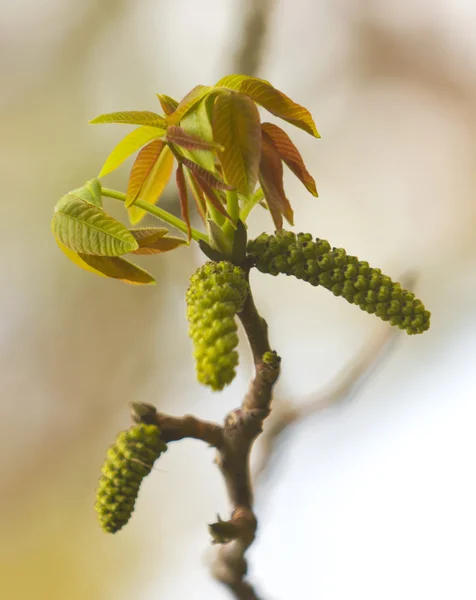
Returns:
(197, 122)
(131, 117)
(218, 240)
(183, 196)
(167, 103)
(141, 169)
(204, 175)
(211, 195)
(178, 136)
(290, 155)
(236, 126)
(85, 228)
(271, 180)
(130, 144)
(161, 245)
(154, 184)
(238, 251)
(148, 235)
(90, 192)
(197, 194)
(109, 266)
(210, 252)
(188, 102)
(273, 100)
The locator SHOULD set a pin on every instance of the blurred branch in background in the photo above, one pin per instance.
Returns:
(287, 413)
(249, 55)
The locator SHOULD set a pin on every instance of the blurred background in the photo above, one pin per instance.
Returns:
(373, 498)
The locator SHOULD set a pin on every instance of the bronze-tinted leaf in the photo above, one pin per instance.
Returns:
(269, 97)
(131, 117)
(154, 183)
(141, 169)
(152, 240)
(204, 175)
(197, 194)
(236, 126)
(188, 102)
(271, 180)
(290, 155)
(177, 135)
(211, 195)
(168, 104)
(183, 196)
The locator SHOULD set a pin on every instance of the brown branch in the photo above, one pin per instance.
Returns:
(233, 442)
(242, 427)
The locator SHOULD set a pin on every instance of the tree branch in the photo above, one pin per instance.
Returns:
(233, 442)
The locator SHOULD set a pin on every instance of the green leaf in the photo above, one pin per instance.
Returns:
(210, 252)
(168, 104)
(131, 117)
(271, 180)
(188, 102)
(85, 228)
(90, 192)
(238, 251)
(109, 266)
(130, 144)
(273, 100)
(236, 126)
(290, 155)
(183, 196)
(197, 122)
(212, 196)
(149, 176)
(218, 239)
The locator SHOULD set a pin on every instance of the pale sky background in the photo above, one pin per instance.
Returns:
(368, 500)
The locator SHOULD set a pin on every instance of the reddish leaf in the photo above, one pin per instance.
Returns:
(236, 126)
(177, 135)
(154, 241)
(205, 175)
(211, 194)
(271, 180)
(148, 235)
(154, 182)
(167, 103)
(183, 196)
(141, 168)
(290, 155)
(197, 195)
(188, 102)
(269, 97)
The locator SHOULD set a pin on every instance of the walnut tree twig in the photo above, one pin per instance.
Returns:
(233, 442)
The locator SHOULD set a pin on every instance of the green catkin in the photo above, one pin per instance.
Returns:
(316, 262)
(216, 293)
(127, 462)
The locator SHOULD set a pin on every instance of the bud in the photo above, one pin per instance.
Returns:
(343, 275)
(217, 292)
(127, 462)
